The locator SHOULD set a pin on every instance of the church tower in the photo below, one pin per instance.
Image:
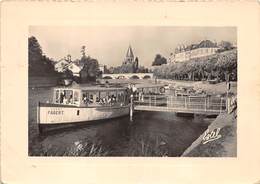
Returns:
(129, 59)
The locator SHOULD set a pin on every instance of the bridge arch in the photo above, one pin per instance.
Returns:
(134, 77)
(147, 77)
(121, 77)
(128, 76)
(107, 77)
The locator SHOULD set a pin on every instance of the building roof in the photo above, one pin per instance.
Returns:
(78, 64)
(202, 44)
(129, 52)
(64, 60)
(206, 44)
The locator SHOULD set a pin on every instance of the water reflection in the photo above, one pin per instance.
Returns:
(121, 137)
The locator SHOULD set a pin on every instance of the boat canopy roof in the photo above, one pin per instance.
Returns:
(149, 85)
(91, 88)
(100, 88)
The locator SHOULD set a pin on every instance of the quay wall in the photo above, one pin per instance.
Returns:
(224, 145)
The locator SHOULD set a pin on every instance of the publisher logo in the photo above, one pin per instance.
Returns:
(211, 135)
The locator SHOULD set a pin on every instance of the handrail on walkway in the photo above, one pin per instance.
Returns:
(182, 103)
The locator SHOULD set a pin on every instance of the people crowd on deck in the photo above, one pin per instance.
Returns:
(66, 97)
(64, 100)
(106, 100)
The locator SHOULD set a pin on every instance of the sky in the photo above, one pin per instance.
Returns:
(108, 44)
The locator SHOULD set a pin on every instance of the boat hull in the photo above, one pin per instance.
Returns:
(49, 114)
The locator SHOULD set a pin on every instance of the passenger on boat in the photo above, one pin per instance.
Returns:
(97, 99)
(91, 99)
(65, 100)
(62, 95)
(85, 100)
(140, 96)
(109, 99)
(134, 89)
(70, 99)
(113, 99)
(102, 101)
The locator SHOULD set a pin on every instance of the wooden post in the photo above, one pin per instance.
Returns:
(172, 101)
(154, 100)
(228, 88)
(220, 104)
(167, 101)
(188, 102)
(185, 105)
(149, 100)
(131, 107)
(38, 118)
(205, 104)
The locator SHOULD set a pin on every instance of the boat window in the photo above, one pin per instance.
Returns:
(90, 97)
(66, 97)
(120, 96)
(85, 97)
(76, 97)
(57, 96)
(97, 97)
(112, 97)
(103, 97)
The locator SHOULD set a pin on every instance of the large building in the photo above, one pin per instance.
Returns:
(129, 58)
(185, 53)
(60, 66)
(66, 64)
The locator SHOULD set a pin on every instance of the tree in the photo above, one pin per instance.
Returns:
(69, 58)
(226, 64)
(90, 70)
(159, 60)
(224, 46)
(142, 69)
(39, 64)
(106, 70)
(125, 68)
(83, 51)
(135, 65)
(35, 54)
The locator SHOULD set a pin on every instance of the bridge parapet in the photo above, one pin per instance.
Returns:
(128, 76)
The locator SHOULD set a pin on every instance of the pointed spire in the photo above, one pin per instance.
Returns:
(129, 53)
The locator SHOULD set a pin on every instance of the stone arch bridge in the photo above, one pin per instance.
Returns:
(128, 76)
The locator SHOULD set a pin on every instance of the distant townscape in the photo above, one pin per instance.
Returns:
(205, 60)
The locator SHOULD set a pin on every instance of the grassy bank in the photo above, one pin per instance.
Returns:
(78, 148)
(224, 146)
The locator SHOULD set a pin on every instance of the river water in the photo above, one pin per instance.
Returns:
(149, 134)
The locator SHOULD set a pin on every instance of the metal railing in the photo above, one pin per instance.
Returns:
(182, 103)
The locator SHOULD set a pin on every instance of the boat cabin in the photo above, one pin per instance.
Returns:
(151, 89)
(90, 96)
